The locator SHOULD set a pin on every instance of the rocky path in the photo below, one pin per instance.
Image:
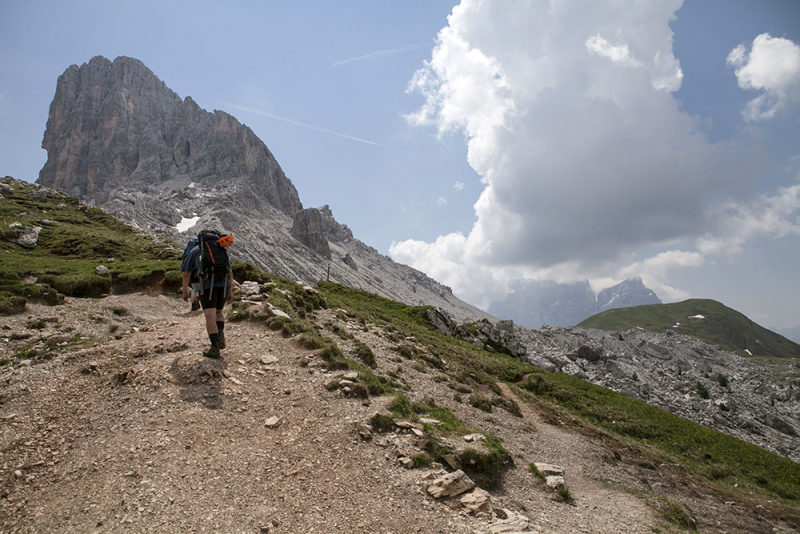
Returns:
(140, 433)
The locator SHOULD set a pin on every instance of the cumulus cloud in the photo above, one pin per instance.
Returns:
(570, 121)
(772, 66)
(618, 54)
(441, 201)
(459, 186)
(733, 224)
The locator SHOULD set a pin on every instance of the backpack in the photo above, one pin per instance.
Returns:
(213, 264)
(189, 246)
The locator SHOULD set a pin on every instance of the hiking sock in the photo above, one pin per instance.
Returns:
(214, 339)
(220, 330)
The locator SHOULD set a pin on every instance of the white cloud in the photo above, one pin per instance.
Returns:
(446, 261)
(771, 66)
(459, 186)
(618, 54)
(733, 224)
(585, 156)
(654, 272)
(441, 201)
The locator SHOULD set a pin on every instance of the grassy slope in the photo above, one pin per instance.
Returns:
(79, 239)
(705, 454)
(722, 326)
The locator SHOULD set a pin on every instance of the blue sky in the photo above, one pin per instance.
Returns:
(481, 142)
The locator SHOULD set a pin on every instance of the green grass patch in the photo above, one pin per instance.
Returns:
(75, 239)
(364, 353)
(401, 407)
(479, 401)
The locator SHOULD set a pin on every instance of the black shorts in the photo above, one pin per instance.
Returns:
(214, 298)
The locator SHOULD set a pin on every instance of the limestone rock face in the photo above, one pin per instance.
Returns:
(115, 124)
(333, 230)
(119, 138)
(307, 227)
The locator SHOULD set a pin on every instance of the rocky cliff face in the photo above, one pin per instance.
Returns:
(117, 136)
(115, 125)
(534, 303)
(307, 228)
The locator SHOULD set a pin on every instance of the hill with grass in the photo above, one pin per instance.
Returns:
(707, 320)
(52, 245)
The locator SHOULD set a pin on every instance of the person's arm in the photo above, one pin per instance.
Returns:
(186, 292)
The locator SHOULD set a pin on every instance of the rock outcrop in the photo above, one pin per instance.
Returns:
(119, 138)
(308, 229)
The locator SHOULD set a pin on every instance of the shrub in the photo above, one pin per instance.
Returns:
(12, 305)
(535, 470)
(723, 380)
(381, 423)
(564, 495)
(78, 285)
(479, 401)
(537, 384)
(365, 354)
(402, 407)
(702, 390)
(422, 460)
(486, 467)
(509, 405)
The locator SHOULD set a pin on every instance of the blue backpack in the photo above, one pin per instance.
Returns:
(189, 246)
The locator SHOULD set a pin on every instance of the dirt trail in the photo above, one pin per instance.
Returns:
(598, 508)
(143, 434)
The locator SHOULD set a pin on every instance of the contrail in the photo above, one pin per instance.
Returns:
(310, 126)
(297, 123)
(379, 53)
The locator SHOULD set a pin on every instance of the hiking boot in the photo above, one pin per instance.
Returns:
(221, 340)
(212, 352)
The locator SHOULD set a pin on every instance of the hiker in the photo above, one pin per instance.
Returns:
(209, 262)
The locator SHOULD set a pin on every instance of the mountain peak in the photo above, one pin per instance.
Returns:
(116, 124)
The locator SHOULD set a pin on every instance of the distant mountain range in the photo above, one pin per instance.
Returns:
(707, 320)
(534, 303)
